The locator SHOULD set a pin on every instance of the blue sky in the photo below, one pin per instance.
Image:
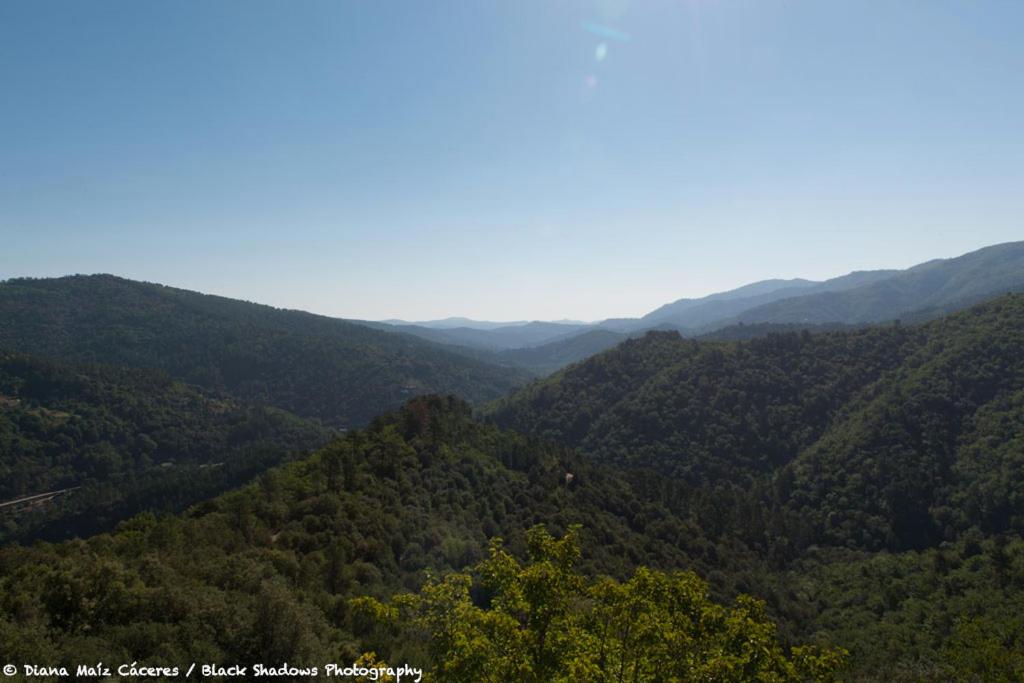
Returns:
(503, 160)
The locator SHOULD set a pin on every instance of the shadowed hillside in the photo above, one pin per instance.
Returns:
(122, 440)
(311, 365)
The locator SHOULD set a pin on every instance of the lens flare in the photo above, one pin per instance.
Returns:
(607, 32)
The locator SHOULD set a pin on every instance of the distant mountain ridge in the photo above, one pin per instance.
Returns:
(927, 290)
(691, 314)
(940, 284)
(518, 350)
(762, 288)
(859, 297)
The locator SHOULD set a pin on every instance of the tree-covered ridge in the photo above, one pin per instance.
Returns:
(543, 622)
(425, 488)
(701, 410)
(268, 571)
(126, 440)
(315, 366)
(931, 449)
(894, 436)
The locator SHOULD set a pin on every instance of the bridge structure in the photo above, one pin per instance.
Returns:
(34, 501)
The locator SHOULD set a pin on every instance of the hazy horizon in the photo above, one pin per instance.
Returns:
(525, 319)
(518, 161)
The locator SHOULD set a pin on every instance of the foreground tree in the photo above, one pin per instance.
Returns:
(544, 622)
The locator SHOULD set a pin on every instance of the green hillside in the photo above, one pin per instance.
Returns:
(268, 573)
(125, 440)
(890, 437)
(424, 488)
(314, 366)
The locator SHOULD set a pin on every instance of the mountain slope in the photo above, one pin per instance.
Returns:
(704, 411)
(932, 448)
(124, 440)
(764, 290)
(263, 574)
(554, 355)
(266, 573)
(711, 310)
(868, 437)
(311, 365)
(714, 313)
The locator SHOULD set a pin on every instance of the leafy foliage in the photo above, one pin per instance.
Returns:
(543, 622)
(952, 613)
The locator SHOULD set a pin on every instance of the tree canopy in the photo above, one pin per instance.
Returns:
(541, 622)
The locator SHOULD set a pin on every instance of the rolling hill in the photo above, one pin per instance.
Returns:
(314, 366)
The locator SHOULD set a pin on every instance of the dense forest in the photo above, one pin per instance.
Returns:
(426, 490)
(893, 437)
(862, 485)
(546, 622)
(313, 366)
(125, 440)
(823, 453)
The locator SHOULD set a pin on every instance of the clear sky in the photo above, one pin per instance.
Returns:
(503, 160)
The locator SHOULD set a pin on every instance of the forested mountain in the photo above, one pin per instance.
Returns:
(942, 285)
(892, 437)
(315, 366)
(265, 573)
(704, 411)
(864, 482)
(827, 452)
(268, 573)
(124, 440)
